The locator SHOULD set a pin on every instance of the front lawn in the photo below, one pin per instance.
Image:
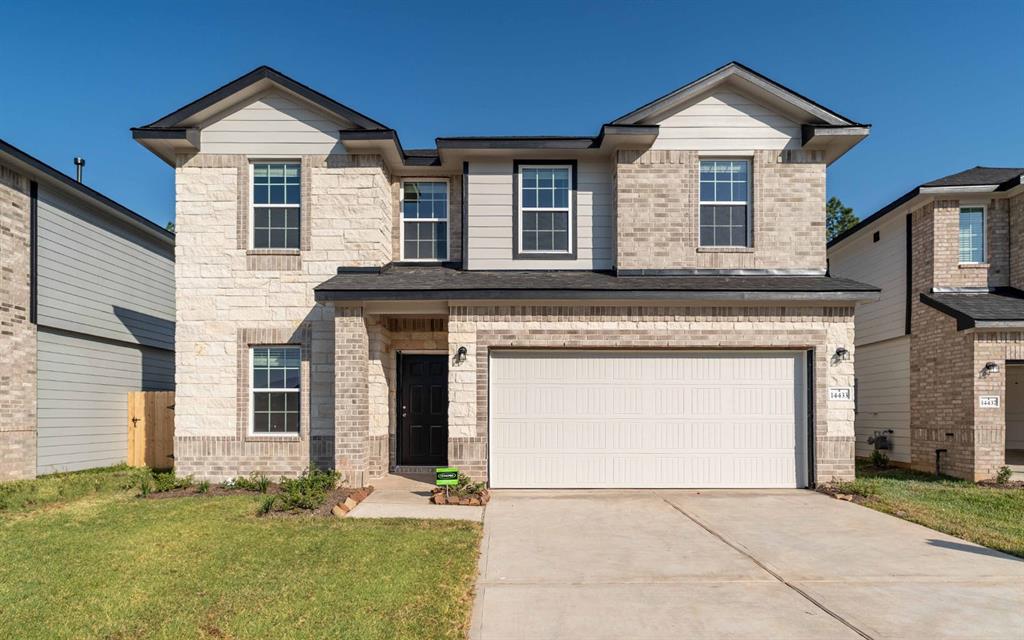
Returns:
(105, 564)
(989, 516)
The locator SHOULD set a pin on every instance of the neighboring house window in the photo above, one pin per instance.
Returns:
(425, 220)
(724, 203)
(972, 235)
(276, 204)
(276, 382)
(545, 205)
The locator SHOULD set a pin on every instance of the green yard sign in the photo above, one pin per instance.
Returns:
(447, 476)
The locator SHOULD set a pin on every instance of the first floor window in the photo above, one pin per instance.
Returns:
(276, 382)
(972, 235)
(545, 201)
(724, 203)
(425, 220)
(276, 205)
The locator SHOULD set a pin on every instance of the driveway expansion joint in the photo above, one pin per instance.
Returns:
(764, 566)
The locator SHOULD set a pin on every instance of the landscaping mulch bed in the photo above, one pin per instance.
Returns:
(438, 497)
(214, 490)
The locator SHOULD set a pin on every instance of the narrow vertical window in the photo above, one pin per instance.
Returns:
(972, 235)
(276, 382)
(425, 220)
(545, 205)
(724, 203)
(276, 205)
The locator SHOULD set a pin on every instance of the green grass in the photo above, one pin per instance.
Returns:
(992, 517)
(23, 495)
(108, 565)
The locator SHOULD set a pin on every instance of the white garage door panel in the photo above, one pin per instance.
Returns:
(652, 419)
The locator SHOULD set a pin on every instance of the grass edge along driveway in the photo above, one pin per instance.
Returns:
(105, 564)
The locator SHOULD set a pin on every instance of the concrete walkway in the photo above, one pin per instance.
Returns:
(725, 564)
(408, 496)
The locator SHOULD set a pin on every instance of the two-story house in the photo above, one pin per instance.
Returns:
(940, 354)
(644, 307)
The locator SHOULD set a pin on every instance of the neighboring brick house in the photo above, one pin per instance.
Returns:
(86, 315)
(940, 356)
(647, 307)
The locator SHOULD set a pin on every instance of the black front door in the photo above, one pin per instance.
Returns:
(423, 410)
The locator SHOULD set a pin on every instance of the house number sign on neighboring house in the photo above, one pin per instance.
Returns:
(989, 402)
(840, 393)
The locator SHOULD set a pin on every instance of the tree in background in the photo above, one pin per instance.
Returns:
(838, 217)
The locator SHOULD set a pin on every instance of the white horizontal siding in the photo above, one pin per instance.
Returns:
(883, 395)
(273, 124)
(490, 217)
(82, 391)
(101, 277)
(883, 264)
(725, 121)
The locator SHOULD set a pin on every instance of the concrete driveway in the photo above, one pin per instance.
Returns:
(724, 564)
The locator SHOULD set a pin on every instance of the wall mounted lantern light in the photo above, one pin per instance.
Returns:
(990, 368)
(460, 355)
(842, 354)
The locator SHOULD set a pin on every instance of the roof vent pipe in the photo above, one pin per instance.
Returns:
(79, 163)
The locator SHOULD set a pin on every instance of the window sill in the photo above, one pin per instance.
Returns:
(267, 437)
(973, 265)
(273, 252)
(725, 249)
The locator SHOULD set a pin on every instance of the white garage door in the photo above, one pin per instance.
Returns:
(585, 419)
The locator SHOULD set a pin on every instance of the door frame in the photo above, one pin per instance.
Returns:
(806, 463)
(398, 395)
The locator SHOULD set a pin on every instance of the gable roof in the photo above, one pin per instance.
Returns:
(260, 74)
(982, 179)
(745, 75)
(40, 168)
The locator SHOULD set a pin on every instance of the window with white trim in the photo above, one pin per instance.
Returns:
(276, 386)
(276, 205)
(425, 220)
(972, 235)
(724, 203)
(545, 209)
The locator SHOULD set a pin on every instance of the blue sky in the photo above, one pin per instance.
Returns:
(942, 82)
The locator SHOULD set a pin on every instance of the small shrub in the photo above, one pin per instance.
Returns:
(467, 488)
(879, 460)
(252, 482)
(1004, 474)
(145, 485)
(203, 487)
(308, 491)
(161, 481)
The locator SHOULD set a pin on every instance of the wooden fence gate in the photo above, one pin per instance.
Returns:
(151, 429)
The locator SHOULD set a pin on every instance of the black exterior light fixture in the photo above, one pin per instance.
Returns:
(990, 368)
(460, 355)
(842, 354)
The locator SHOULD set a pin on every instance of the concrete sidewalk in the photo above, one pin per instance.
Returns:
(745, 565)
(408, 496)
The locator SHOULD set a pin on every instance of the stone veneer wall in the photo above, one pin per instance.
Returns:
(17, 333)
(481, 328)
(657, 201)
(225, 290)
(454, 217)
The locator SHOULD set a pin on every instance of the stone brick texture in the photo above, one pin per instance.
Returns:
(454, 217)
(17, 333)
(946, 365)
(657, 202)
(1016, 239)
(812, 328)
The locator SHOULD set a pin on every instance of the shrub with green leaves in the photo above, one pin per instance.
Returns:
(467, 488)
(159, 482)
(308, 491)
(253, 482)
(1004, 474)
(879, 460)
(203, 486)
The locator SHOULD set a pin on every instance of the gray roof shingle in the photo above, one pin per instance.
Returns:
(977, 176)
(1000, 307)
(407, 282)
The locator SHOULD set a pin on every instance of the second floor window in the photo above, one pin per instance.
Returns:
(545, 209)
(276, 205)
(425, 220)
(724, 203)
(972, 235)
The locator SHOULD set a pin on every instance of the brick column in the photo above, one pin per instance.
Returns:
(18, 356)
(351, 394)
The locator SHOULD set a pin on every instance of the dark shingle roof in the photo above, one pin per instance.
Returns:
(398, 282)
(998, 307)
(977, 176)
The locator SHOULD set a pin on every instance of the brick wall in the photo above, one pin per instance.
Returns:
(1016, 241)
(17, 333)
(454, 218)
(821, 329)
(223, 288)
(657, 196)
